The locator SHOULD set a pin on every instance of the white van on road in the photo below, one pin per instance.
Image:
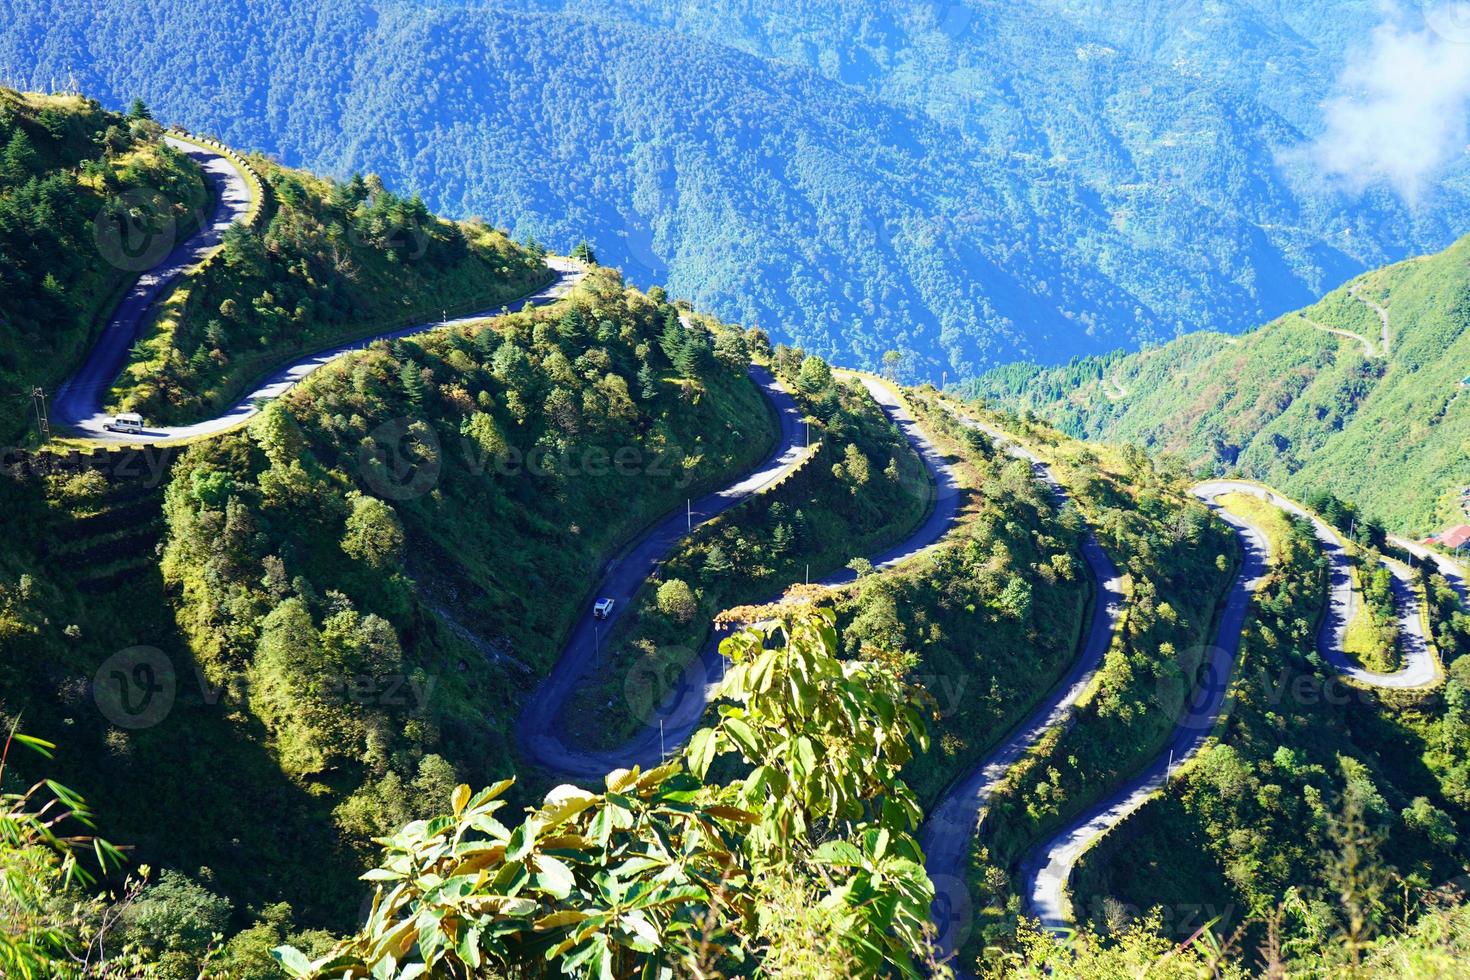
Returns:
(126, 422)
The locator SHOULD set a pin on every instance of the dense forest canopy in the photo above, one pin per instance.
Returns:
(968, 184)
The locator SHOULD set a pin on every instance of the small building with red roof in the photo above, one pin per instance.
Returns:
(1455, 538)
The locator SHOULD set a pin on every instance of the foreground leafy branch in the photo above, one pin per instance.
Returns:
(668, 872)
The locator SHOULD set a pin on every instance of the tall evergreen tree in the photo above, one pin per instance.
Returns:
(19, 161)
(413, 383)
(672, 340)
(647, 390)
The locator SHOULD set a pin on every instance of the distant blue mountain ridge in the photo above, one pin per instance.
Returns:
(970, 184)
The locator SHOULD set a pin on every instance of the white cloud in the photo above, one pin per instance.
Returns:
(1401, 110)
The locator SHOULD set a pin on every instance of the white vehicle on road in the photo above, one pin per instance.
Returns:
(126, 422)
(602, 608)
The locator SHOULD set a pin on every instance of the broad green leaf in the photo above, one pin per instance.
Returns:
(293, 960)
(522, 841)
(554, 877)
(701, 751)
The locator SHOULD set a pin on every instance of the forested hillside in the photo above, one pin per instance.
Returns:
(84, 194)
(968, 185)
(1313, 401)
(335, 261)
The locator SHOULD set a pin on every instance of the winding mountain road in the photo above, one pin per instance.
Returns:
(78, 405)
(1453, 571)
(680, 711)
(1368, 349)
(947, 834)
(1420, 667)
(1046, 871)
(1357, 293)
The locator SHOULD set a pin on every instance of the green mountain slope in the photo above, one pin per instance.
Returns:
(968, 183)
(79, 188)
(1293, 403)
(334, 261)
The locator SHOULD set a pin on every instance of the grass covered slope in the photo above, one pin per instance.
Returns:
(1294, 404)
(88, 198)
(334, 261)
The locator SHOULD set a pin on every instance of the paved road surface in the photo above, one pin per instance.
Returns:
(78, 404)
(1419, 665)
(681, 710)
(1451, 569)
(1047, 870)
(948, 832)
(1357, 293)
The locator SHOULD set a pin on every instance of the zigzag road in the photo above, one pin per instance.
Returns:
(78, 404)
(948, 832)
(679, 713)
(1046, 871)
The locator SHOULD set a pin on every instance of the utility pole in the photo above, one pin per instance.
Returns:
(662, 752)
(688, 514)
(43, 421)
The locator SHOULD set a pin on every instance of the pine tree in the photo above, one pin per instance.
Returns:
(647, 390)
(20, 158)
(572, 328)
(583, 253)
(695, 355)
(716, 562)
(139, 110)
(413, 383)
(781, 539)
(672, 340)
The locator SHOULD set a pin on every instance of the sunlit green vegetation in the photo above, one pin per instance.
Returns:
(1295, 407)
(79, 188)
(863, 490)
(335, 260)
(1325, 815)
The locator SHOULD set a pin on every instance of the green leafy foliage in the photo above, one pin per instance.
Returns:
(1294, 406)
(666, 872)
(806, 528)
(380, 573)
(1322, 808)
